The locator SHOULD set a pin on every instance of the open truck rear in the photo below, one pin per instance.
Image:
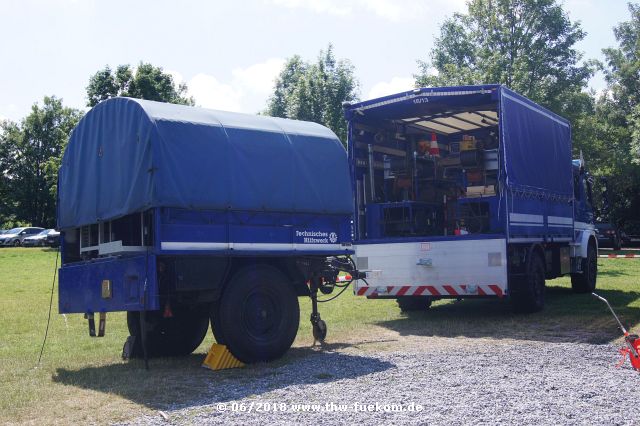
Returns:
(182, 216)
(466, 192)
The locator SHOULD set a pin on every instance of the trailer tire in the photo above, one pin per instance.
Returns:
(179, 335)
(259, 314)
(414, 303)
(586, 281)
(528, 293)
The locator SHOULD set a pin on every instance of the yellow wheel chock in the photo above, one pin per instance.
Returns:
(219, 358)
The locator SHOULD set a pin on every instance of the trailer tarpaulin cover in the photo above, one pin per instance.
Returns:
(127, 155)
(538, 148)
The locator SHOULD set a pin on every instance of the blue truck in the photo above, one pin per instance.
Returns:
(188, 218)
(465, 192)
(185, 217)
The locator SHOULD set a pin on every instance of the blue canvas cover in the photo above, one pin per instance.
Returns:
(127, 155)
(537, 148)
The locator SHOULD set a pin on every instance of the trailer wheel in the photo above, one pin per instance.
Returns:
(179, 335)
(414, 303)
(528, 292)
(586, 281)
(259, 314)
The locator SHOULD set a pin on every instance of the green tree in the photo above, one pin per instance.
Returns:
(615, 143)
(147, 82)
(8, 131)
(315, 91)
(30, 154)
(622, 73)
(528, 45)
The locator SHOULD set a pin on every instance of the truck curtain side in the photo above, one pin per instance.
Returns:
(464, 192)
(183, 216)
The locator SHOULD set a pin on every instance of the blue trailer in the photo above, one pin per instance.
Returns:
(464, 192)
(183, 216)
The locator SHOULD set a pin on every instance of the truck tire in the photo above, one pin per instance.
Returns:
(586, 281)
(527, 294)
(179, 335)
(259, 314)
(216, 329)
(414, 303)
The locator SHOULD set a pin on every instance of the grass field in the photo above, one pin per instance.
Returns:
(83, 379)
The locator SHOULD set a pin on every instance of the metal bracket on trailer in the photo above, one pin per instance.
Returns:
(102, 321)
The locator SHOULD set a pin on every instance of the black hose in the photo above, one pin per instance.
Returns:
(46, 331)
(334, 297)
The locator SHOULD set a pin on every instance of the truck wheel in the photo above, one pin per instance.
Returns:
(528, 292)
(215, 323)
(259, 314)
(586, 281)
(176, 336)
(414, 303)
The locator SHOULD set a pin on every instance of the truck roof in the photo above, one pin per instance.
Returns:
(423, 100)
(127, 155)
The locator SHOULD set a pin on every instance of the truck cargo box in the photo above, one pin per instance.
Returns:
(455, 188)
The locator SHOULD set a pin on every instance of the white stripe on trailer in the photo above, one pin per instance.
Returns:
(525, 224)
(193, 245)
(560, 220)
(523, 217)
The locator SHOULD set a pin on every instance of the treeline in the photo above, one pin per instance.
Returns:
(528, 45)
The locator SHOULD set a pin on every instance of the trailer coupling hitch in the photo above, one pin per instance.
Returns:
(325, 281)
(102, 321)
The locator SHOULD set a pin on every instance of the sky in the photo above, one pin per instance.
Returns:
(229, 52)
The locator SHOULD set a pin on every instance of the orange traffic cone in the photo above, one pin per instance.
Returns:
(168, 313)
(434, 149)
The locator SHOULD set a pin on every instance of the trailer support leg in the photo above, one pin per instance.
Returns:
(318, 325)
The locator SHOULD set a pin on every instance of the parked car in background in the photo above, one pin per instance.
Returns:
(608, 235)
(53, 238)
(15, 236)
(631, 233)
(37, 240)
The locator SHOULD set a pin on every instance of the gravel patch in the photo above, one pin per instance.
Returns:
(456, 382)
